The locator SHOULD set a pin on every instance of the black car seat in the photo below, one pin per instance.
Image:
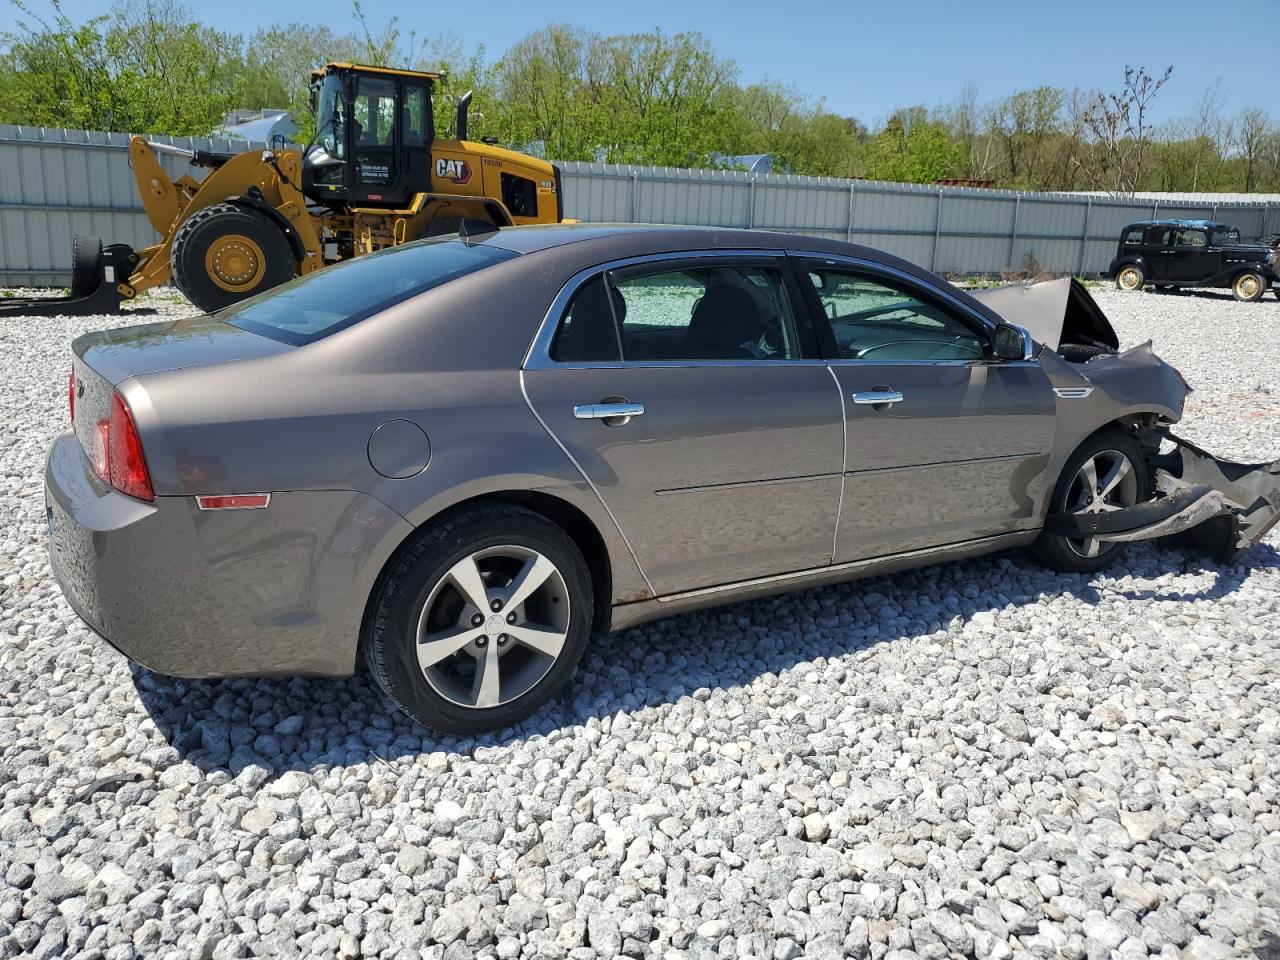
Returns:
(723, 322)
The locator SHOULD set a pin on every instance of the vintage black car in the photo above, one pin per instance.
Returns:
(1193, 253)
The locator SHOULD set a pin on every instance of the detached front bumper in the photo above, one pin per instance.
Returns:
(1217, 506)
(194, 593)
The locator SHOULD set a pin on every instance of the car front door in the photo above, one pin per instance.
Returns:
(944, 443)
(689, 393)
(1159, 251)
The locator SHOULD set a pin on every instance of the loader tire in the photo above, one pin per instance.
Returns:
(225, 253)
(86, 265)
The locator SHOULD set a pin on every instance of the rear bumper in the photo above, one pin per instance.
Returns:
(189, 593)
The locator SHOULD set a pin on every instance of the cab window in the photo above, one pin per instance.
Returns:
(373, 120)
(1190, 238)
(1134, 236)
(415, 116)
(878, 320)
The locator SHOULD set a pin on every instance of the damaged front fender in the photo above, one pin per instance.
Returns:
(1217, 506)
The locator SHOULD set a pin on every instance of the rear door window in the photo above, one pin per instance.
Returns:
(321, 303)
(691, 312)
(713, 312)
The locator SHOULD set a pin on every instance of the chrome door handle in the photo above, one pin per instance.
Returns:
(876, 397)
(608, 411)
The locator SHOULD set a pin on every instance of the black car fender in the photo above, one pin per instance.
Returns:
(1134, 259)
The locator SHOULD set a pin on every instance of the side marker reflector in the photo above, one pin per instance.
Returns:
(235, 501)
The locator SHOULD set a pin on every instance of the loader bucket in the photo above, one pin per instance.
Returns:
(96, 272)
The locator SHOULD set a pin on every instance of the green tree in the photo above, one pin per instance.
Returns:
(913, 148)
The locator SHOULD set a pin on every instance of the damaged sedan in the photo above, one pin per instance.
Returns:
(461, 457)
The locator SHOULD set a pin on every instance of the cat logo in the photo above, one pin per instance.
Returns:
(459, 171)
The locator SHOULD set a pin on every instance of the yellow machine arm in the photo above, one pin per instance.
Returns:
(273, 181)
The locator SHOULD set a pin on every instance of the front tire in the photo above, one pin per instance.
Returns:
(481, 621)
(1130, 277)
(225, 253)
(1107, 472)
(1248, 287)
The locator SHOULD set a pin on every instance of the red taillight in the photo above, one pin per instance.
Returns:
(117, 453)
(128, 467)
(71, 394)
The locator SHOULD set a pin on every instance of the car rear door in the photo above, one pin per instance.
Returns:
(688, 392)
(1190, 257)
(944, 444)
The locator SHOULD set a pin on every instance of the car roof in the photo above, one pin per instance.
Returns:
(535, 237)
(1174, 222)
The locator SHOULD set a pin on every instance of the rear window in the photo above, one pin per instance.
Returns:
(324, 302)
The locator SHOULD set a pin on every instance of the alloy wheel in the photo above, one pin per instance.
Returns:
(1105, 482)
(493, 626)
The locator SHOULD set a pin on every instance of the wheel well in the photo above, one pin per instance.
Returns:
(564, 515)
(1139, 426)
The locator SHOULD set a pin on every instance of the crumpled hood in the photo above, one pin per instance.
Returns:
(1053, 312)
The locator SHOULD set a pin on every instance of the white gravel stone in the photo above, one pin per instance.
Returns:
(980, 757)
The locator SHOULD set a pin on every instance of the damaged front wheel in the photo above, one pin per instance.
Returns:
(1105, 474)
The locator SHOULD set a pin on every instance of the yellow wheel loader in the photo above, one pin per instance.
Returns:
(373, 176)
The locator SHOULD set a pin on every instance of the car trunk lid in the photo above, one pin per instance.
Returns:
(104, 359)
(116, 355)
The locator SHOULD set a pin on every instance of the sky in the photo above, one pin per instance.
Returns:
(866, 58)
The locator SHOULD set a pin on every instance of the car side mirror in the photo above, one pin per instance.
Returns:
(1011, 342)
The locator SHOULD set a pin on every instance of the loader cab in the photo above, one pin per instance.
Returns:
(373, 136)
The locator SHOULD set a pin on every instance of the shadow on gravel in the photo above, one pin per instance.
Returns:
(1200, 293)
(298, 723)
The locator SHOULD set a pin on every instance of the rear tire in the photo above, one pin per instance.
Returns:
(1072, 493)
(531, 640)
(1248, 287)
(1130, 277)
(225, 253)
(86, 265)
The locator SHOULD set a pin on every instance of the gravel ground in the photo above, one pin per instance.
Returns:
(973, 759)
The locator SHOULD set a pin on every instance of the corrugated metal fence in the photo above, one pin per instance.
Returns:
(55, 183)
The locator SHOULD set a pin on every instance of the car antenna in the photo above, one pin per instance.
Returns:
(474, 227)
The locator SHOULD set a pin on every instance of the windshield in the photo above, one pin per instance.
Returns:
(1229, 235)
(329, 116)
(324, 302)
